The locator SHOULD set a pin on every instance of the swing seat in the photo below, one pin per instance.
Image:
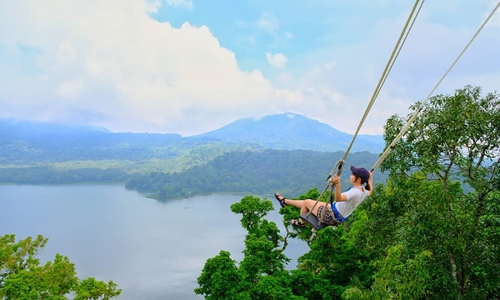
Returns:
(313, 220)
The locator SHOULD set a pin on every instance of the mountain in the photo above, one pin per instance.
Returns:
(236, 157)
(291, 131)
(11, 129)
(26, 142)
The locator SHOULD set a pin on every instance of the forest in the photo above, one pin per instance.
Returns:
(249, 172)
(420, 235)
(223, 171)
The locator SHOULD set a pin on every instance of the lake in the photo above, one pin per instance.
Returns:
(152, 250)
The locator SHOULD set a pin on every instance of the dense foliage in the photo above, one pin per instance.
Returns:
(200, 170)
(23, 277)
(255, 172)
(55, 169)
(51, 175)
(419, 236)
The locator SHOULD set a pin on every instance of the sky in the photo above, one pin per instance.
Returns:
(192, 66)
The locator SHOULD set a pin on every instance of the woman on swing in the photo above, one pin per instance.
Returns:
(345, 203)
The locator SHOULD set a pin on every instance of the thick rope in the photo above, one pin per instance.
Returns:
(395, 52)
(399, 50)
(414, 116)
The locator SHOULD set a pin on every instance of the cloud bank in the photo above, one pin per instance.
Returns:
(112, 64)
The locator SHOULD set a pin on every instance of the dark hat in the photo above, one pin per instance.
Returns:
(362, 173)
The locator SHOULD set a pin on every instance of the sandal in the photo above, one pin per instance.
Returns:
(280, 199)
(297, 223)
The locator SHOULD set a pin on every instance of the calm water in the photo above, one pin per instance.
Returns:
(151, 250)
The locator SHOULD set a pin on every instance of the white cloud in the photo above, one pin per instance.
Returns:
(123, 70)
(277, 60)
(268, 22)
(71, 88)
(110, 64)
(342, 90)
(181, 3)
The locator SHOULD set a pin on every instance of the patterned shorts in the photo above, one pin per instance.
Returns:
(329, 217)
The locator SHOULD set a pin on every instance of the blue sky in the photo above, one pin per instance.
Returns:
(190, 66)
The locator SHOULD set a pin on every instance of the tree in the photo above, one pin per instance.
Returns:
(443, 193)
(22, 276)
(396, 278)
(433, 230)
(220, 278)
(261, 274)
(323, 273)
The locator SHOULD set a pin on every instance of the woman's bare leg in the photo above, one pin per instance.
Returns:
(304, 205)
(296, 203)
(309, 204)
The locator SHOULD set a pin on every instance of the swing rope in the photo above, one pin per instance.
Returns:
(416, 113)
(390, 63)
(405, 128)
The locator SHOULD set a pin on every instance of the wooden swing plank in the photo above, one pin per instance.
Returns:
(313, 220)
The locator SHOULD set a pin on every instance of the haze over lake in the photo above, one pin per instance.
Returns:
(152, 250)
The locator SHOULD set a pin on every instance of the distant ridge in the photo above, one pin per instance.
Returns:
(290, 131)
(166, 165)
(287, 131)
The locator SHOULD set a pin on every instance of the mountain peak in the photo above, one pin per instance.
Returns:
(288, 131)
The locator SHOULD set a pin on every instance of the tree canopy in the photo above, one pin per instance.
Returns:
(23, 277)
(431, 231)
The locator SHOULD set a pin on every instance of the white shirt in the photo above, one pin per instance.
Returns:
(354, 198)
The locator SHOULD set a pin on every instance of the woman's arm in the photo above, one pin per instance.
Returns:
(339, 197)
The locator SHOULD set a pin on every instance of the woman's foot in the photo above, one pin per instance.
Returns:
(280, 199)
(297, 223)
